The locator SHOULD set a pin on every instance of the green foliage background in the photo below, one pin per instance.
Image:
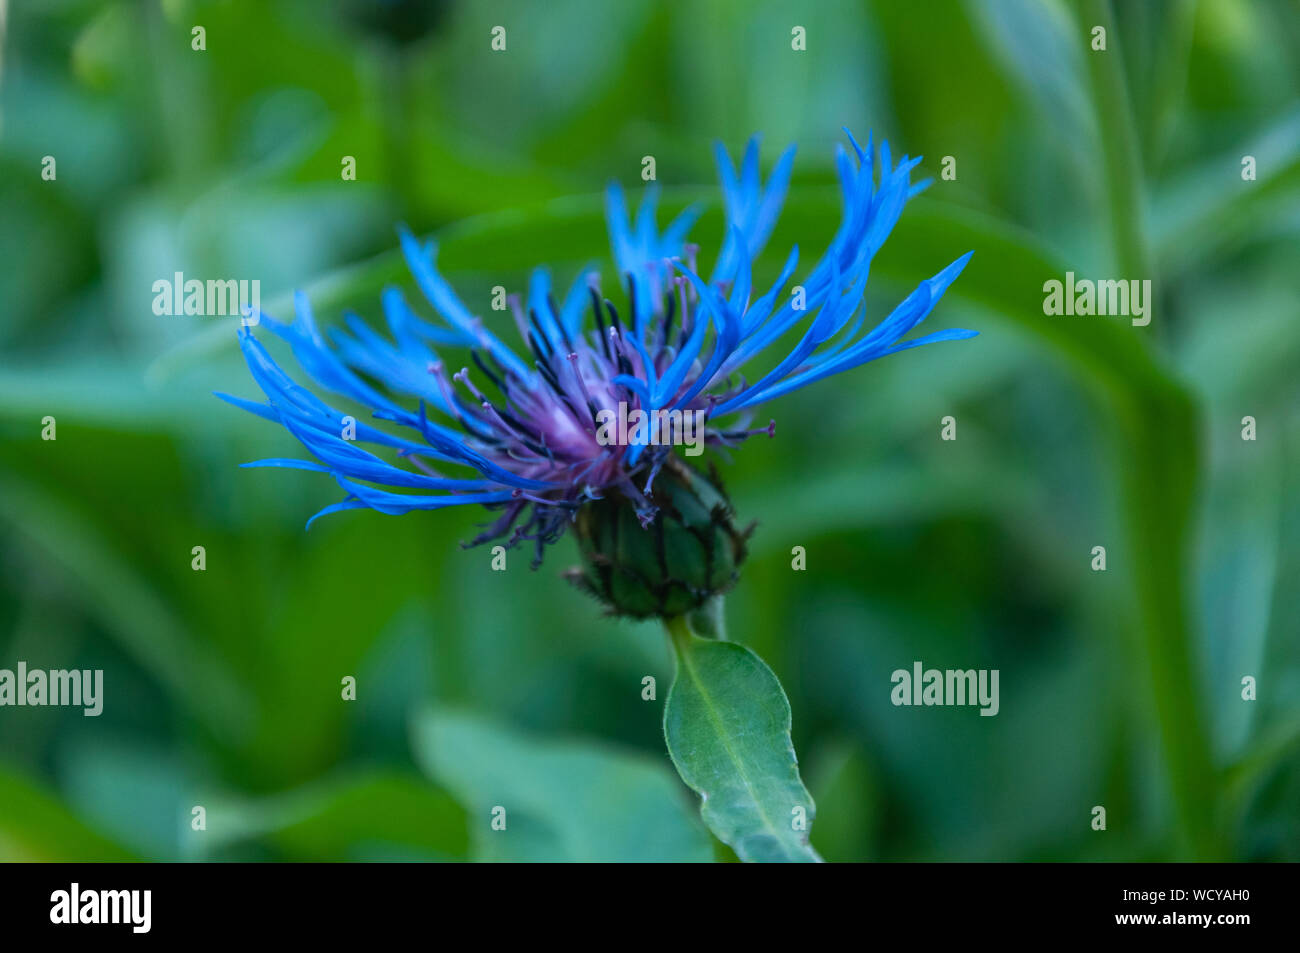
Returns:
(479, 688)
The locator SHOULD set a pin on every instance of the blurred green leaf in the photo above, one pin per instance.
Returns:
(380, 815)
(140, 793)
(1039, 44)
(130, 608)
(36, 826)
(887, 495)
(1208, 210)
(563, 800)
(849, 804)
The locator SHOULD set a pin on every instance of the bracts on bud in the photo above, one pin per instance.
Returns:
(690, 552)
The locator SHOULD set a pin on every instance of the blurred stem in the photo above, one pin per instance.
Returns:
(709, 621)
(1121, 160)
(1174, 26)
(394, 115)
(1158, 503)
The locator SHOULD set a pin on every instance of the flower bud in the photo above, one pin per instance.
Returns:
(690, 552)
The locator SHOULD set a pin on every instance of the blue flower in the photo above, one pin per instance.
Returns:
(527, 433)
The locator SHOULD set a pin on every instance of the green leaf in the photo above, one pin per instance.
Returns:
(1037, 43)
(127, 604)
(136, 792)
(1206, 213)
(36, 826)
(850, 794)
(378, 815)
(727, 723)
(563, 800)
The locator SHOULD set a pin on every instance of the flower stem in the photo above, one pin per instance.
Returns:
(1152, 509)
(679, 630)
(709, 621)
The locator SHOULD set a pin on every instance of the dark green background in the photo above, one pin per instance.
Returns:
(477, 688)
